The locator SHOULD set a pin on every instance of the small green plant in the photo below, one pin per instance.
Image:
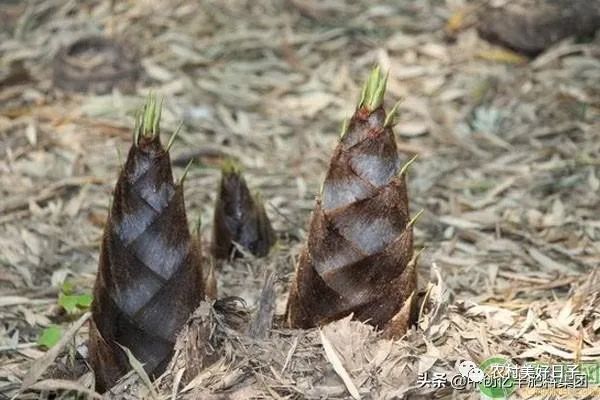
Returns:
(71, 302)
(50, 336)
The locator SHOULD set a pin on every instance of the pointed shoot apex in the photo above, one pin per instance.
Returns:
(374, 90)
(137, 127)
(156, 120)
(148, 120)
(229, 166)
(418, 254)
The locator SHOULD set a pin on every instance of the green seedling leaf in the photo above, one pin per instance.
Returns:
(68, 302)
(85, 301)
(50, 336)
(75, 302)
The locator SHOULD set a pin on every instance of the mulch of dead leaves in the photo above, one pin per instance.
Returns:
(508, 175)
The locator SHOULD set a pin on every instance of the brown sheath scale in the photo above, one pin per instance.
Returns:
(149, 275)
(360, 242)
(239, 217)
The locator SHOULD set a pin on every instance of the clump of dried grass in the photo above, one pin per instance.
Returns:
(301, 364)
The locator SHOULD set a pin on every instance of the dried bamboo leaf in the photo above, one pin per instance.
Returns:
(54, 385)
(263, 319)
(338, 367)
(210, 286)
(400, 322)
(138, 367)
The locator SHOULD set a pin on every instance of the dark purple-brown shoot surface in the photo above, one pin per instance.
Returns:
(359, 254)
(149, 275)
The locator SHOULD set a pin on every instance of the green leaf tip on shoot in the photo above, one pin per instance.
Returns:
(373, 90)
(406, 166)
(390, 119)
(418, 254)
(198, 226)
(229, 166)
(120, 157)
(415, 218)
(173, 136)
(185, 172)
(148, 119)
(344, 130)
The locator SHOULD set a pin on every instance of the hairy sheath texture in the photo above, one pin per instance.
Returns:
(239, 217)
(149, 277)
(357, 259)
